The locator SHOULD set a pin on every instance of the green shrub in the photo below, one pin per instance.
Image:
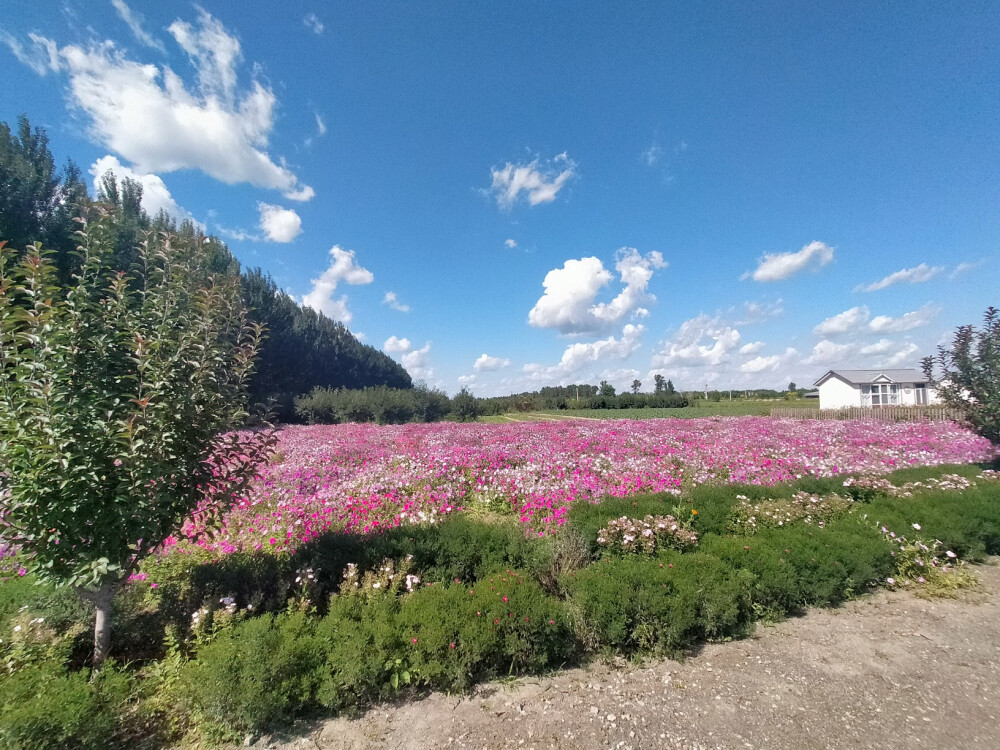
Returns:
(831, 563)
(968, 523)
(263, 672)
(775, 590)
(660, 605)
(455, 635)
(46, 706)
(589, 518)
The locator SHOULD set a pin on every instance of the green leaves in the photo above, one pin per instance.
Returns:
(115, 395)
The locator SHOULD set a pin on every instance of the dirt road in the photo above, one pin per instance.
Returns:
(887, 671)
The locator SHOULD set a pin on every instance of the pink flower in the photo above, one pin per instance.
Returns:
(414, 641)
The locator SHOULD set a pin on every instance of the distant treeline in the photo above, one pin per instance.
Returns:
(582, 396)
(303, 349)
(383, 405)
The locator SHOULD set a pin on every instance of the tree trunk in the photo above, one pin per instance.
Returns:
(102, 620)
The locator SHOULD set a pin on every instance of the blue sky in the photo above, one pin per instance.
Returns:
(507, 195)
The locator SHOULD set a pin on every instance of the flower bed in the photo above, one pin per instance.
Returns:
(362, 478)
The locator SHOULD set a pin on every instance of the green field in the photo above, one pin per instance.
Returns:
(740, 408)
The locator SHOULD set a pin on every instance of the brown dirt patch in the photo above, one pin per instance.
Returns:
(889, 670)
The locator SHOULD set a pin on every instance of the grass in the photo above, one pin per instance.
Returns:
(701, 408)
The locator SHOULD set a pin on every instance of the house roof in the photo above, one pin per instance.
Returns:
(861, 377)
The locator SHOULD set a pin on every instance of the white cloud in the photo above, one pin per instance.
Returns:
(577, 356)
(394, 344)
(466, 379)
(342, 268)
(155, 195)
(510, 244)
(915, 275)
(568, 303)
(847, 321)
(392, 301)
(539, 183)
(903, 356)
(417, 362)
(963, 267)
(761, 364)
(134, 21)
(320, 125)
(42, 56)
(312, 22)
(752, 348)
(906, 322)
(148, 116)
(779, 266)
(755, 312)
(652, 155)
(486, 363)
(828, 352)
(279, 224)
(879, 347)
(700, 341)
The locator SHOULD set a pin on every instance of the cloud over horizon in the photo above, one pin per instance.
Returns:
(780, 266)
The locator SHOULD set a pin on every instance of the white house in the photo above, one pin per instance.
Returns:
(843, 388)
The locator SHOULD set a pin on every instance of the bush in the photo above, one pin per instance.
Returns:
(587, 519)
(830, 563)
(262, 672)
(456, 635)
(775, 590)
(661, 605)
(46, 706)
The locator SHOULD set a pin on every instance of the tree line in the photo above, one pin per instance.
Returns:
(302, 349)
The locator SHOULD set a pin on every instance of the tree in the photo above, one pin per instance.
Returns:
(636, 385)
(36, 203)
(969, 379)
(670, 387)
(115, 395)
(606, 389)
(659, 384)
(464, 406)
(791, 387)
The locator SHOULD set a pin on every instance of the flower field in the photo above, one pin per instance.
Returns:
(365, 477)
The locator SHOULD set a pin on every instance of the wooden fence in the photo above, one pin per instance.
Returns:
(872, 413)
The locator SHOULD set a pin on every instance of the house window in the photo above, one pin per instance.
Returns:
(883, 394)
(920, 394)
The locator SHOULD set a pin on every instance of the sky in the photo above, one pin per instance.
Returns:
(508, 195)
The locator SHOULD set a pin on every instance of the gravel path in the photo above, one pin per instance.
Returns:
(889, 670)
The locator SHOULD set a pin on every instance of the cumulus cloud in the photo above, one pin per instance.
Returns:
(761, 364)
(847, 321)
(828, 352)
(879, 347)
(915, 275)
(134, 21)
(701, 341)
(150, 118)
(486, 363)
(756, 312)
(395, 345)
(466, 379)
(344, 268)
(279, 224)
(417, 362)
(780, 266)
(510, 244)
(568, 303)
(312, 22)
(752, 348)
(906, 322)
(42, 55)
(540, 183)
(905, 355)
(392, 301)
(155, 195)
(577, 356)
(963, 267)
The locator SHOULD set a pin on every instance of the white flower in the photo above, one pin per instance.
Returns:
(916, 526)
(951, 554)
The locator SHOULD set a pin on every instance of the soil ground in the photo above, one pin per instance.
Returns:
(890, 670)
